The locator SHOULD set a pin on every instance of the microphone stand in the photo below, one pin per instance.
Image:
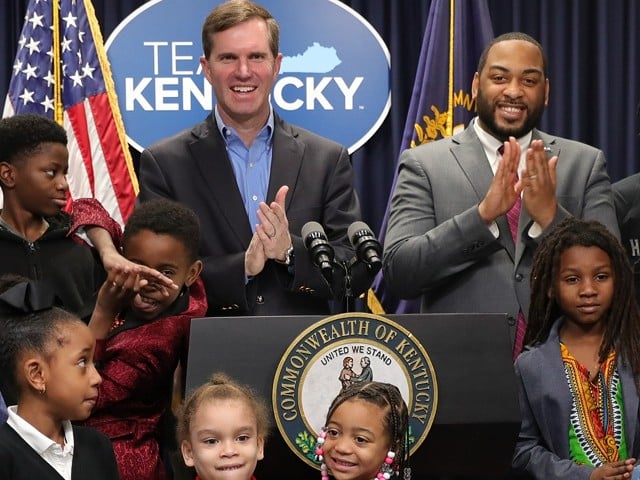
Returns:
(347, 297)
(345, 301)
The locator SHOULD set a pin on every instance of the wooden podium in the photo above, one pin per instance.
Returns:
(477, 418)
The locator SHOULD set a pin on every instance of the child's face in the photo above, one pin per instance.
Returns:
(39, 182)
(169, 256)
(223, 441)
(584, 284)
(70, 376)
(357, 441)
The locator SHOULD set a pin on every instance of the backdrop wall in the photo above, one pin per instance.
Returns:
(594, 63)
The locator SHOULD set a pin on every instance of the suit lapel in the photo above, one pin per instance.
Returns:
(558, 408)
(471, 158)
(286, 160)
(550, 144)
(630, 401)
(210, 154)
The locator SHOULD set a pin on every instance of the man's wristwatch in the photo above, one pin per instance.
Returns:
(288, 257)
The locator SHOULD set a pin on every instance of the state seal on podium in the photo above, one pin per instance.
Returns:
(340, 350)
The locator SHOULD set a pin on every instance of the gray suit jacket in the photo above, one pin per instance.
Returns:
(193, 167)
(542, 448)
(437, 245)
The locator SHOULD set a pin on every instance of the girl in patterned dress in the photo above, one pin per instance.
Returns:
(578, 377)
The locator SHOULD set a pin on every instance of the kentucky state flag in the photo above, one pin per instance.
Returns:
(441, 103)
(61, 71)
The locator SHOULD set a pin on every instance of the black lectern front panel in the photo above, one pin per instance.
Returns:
(477, 418)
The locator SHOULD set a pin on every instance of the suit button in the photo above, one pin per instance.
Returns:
(511, 320)
(260, 299)
(519, 277)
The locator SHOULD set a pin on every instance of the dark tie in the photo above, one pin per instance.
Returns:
(513, 216)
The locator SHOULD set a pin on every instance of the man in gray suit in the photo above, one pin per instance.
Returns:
(448, 236)
(254, 180)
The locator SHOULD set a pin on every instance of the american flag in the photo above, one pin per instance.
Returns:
(61, 71)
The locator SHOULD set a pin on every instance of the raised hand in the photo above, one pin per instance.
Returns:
(273, 229)
(116, 293)
(539, 183)
(254, 257)
(113, 261)
(505, 188)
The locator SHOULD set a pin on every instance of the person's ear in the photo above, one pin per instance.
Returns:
(193, 273)
(550, 292)
(546, 92)
(260, 447)
(276, 65)
(475, 85)
(35, 373)
(187, 453)
(206, 70)
(7, 174)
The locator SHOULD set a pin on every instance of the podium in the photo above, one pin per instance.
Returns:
(477, 419)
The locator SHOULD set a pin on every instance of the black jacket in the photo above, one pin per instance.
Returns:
(93, 457)
(68, 266)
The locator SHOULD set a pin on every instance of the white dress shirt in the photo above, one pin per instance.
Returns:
(55, 455)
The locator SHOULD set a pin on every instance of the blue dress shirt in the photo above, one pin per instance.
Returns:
(251, 165)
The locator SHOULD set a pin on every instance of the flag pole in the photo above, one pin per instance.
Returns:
(111, 89)
(58, 111)
(449, 127)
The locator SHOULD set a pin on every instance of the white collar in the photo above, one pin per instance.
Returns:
(491, 145)
(36, 439)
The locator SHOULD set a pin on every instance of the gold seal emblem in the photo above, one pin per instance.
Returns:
(337, 351)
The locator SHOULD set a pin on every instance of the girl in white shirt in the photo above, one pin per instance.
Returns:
(46, 359)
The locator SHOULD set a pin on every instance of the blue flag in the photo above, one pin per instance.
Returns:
(3, 410)
(441, 103)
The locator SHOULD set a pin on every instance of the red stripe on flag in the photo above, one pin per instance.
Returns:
(78, 120)
(113, 153)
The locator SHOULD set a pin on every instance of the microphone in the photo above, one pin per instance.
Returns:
(367, 247)
(321, 251)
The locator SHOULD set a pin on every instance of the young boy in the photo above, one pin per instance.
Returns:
(142, 334)
(34, 231)
(37, 238)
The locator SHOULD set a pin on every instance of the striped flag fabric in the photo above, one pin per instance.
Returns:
(61, 71)
(441, 103)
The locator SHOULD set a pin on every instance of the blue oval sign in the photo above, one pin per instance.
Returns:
(334, 78)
